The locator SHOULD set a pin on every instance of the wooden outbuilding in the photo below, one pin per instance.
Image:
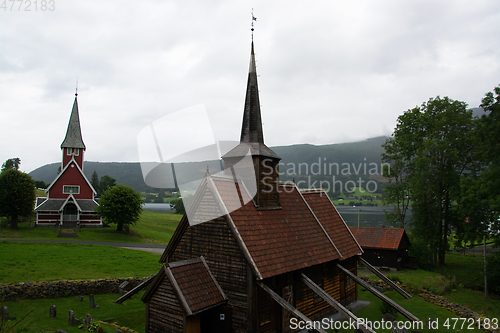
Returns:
(383, 247)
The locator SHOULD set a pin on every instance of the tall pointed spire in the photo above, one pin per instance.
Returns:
(265, 161)
(73, 137)
(251, 130)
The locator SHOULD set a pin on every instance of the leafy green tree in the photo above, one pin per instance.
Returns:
(11, 163)
(94, 181)
(41, 184)
(397, 192)
(120, 204)
(105, 183)
(178, 206)
(159, 198)
(480, 200)
(431, 149)
(17, 195)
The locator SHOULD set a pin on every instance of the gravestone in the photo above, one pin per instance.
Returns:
(5, 313)
(91, 301)
(118, 331)
(88, 319)
(53, 311)
(124, 287)
(71, 318)
(80, 298)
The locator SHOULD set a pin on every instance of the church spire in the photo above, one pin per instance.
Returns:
(73, 137)
(265, 161)
(251, 130)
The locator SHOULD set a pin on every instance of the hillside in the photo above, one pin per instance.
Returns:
(344, 161)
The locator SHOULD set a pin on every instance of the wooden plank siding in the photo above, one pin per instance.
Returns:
(163, 310)
(329, 277)
(214, 241)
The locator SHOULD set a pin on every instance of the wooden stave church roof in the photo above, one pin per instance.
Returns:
(282, 240)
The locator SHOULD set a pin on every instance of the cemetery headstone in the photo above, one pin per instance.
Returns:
(5, 313)
(71, 318)
(124, 287)
(91, 301)
(88, 319)
(53, 311)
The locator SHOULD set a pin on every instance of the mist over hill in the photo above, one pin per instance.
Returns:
(307, 164)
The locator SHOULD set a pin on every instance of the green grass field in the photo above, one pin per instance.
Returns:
(25, 262)
(29, 262)
(451, 281)
(152, 228)
(130, 314)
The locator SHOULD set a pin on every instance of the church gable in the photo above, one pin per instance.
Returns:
(71, 180)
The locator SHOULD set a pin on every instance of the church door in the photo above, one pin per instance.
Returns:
(70, 213)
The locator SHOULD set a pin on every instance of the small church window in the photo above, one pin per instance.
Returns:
(72, 151)
(71, 189)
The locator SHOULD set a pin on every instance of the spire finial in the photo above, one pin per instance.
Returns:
(253, 19)
(76, 91)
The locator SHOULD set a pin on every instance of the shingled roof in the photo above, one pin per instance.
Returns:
(379, 238)
(73, 137)
(196, 288)
(306, 231)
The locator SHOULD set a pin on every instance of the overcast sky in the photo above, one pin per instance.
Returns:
(329, 71)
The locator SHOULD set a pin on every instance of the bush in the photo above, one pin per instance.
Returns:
(420, 249)
(493, 272)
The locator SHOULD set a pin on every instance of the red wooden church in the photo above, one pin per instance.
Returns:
(286, 253)
(70, 197)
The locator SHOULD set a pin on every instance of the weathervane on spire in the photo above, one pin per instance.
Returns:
(76, 91)
(253, 19)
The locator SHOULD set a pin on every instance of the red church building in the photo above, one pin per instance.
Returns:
(70, 197)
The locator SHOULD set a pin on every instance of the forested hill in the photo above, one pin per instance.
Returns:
(302, 160)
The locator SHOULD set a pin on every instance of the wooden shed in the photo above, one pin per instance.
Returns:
(383, 247)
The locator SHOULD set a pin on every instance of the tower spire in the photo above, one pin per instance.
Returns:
(73, 137)
(251, 129)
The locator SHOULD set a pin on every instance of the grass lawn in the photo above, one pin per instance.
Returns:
(130, 314)
(29, 262)
(152, 228)
(417, 306)
(468, 273)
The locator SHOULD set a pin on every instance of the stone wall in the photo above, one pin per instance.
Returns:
(34, 290)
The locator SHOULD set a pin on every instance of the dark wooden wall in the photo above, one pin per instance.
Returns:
(214, 241)
(163, 311)
(327, 275)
